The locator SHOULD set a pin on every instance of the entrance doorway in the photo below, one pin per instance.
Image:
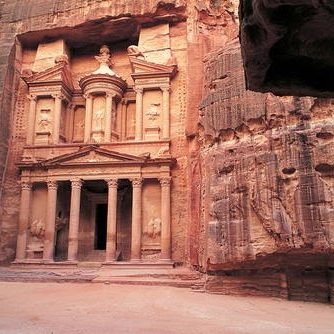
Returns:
(101, 226)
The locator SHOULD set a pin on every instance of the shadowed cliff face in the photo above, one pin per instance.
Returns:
(288, 46)
(268, 165)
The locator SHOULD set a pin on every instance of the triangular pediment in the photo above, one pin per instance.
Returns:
(141, 66)
(92, 155)
(58, 73)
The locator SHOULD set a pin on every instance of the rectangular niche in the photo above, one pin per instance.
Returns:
(130, 121)
(152, 107)
(78, 124)
(44, 121)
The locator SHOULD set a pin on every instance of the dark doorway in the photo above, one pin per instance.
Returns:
(101, 226)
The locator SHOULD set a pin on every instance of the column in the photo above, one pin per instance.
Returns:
(73, 235)
(49, 236)
(111, 220)
(31, 119)
(165, 113)
(56, 119)
(23, 220)
(88, 117)
(165, 218)
(139, 114)
(109, 105)
(136, 219)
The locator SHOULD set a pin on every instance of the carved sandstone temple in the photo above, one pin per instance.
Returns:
(129, 138)
(96, 167)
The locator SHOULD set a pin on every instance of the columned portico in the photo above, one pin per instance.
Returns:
(49, 236)
(136, 219)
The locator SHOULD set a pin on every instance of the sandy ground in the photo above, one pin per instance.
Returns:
(100, 308)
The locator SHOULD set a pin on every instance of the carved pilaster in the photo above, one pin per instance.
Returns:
(31, 119)
(139, 113)
(110, 116)
(57, 115)
(165, 112)
(88, 117)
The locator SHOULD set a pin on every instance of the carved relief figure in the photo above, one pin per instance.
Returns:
(99, 119)
(44, 120)
(153, 111)
(133, 50)
(154, 227)
(37, 228)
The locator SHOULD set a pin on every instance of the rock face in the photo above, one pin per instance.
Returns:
(287, 46)
(267, 185)
(252, 192)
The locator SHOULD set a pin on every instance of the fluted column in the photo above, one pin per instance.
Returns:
(139, 114)
(73, 235)
(109, 105)
(165, 113)
(111, 220)
(49, 236)
(88, 117)
(23, 220)
(31, 119)
(136, 219)
(56, 119)
(165, 218)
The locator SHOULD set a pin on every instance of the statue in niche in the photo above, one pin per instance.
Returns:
(133, 50)
(153, 111)
(37, 228)
(104, 58)
(44, 120)
(154, 228)
(99, 119)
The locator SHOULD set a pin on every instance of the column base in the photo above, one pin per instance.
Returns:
(135, 260)
(109, 262)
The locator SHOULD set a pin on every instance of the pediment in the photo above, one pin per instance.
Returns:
(58, 73)
(140, 66)
(92, 155)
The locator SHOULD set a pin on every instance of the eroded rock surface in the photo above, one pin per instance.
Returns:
(267, 179)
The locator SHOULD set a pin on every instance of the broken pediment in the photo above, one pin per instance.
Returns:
(142, 68)
(59, 74)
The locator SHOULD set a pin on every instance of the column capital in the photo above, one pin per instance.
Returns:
(52, 184)
(88, 96)
(137, 182)
(76, 183)
(32, 97)
(26, 185)
(138, 90)
(111, 94)
(59, 96)
(112, 183)
(165, 181)
(166, 89)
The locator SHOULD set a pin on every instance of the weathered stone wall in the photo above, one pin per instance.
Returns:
(267, 176)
